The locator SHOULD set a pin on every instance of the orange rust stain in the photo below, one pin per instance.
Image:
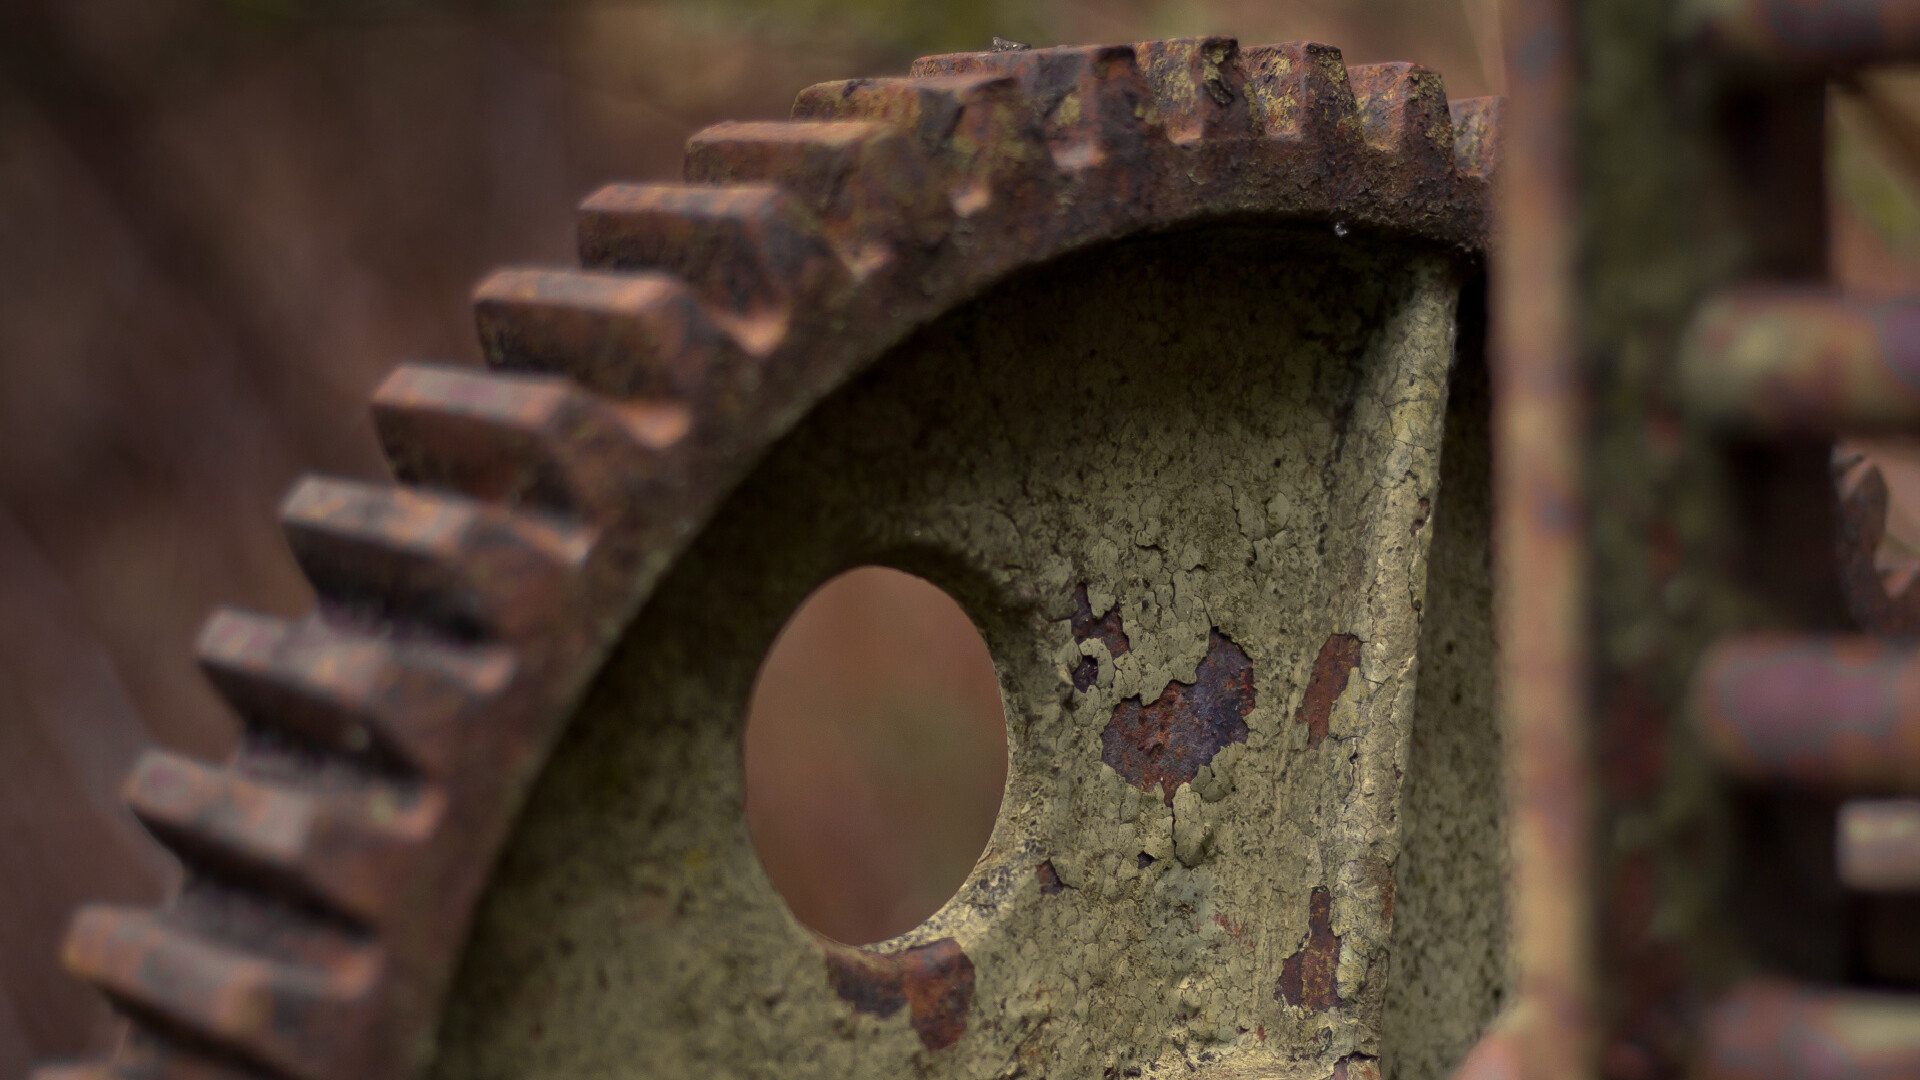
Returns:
(934, 981)
(1307, 978)
(1331, 670)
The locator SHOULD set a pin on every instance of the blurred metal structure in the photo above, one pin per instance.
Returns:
(1700, 745)
(485, 820)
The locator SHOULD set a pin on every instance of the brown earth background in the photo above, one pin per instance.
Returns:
(222, 222)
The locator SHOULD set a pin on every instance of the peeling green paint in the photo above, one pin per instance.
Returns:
(1236, 431)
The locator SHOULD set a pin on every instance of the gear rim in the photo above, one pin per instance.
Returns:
(392, 730)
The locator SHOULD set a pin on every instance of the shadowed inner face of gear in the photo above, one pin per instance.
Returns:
(1164, 478)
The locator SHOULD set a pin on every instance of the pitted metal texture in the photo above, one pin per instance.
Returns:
(394, 733)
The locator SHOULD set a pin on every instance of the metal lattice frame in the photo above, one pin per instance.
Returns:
(1695, 730)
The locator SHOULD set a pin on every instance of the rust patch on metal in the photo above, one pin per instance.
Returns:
(1050, 882)
(1307, 978)
(1331, 669)
(1105, 628)
(1166, 742)
(934, 981)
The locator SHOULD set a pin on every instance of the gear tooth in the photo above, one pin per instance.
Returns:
(1476, 136)
(350, 692)
(752, 250)
(972, 129)
(1770, 1029)
(860, 177)
(1199, 86)
(1298, 91)
(1091, 100)
(1403, 111)
(1816, 711)
(644, 335)
(1879, 842)
(833, 100)
(539, 440)
(283, 1014)
(933, 108)
(467, 567)
(339, 849)
(241, 654)
(1799, 358)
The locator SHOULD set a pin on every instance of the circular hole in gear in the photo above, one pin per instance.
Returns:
(876, 754)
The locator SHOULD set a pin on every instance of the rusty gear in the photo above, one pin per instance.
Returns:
(391, 734)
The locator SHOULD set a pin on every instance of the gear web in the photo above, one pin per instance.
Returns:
(335, 862)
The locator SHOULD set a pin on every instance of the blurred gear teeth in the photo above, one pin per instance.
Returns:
(1091, 100)
(469, 567)
(280, 1012)
(751, 250)
(342, 849)
(335, 863)
(970, 130)
(352, 692)
(542, 441)
(624, 335)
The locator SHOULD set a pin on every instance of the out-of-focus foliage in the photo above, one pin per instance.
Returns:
(293, 11)
(896, 27)
(1873, 159)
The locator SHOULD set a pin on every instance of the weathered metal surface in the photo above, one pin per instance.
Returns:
(1692, 207)
(1166, 742)
(1668, 180)
(394, 734)
(1878, 578)
(1879, 845)
(1545, 670)
(1225, 883)
(1807, 33)
(1772, 1030)
(1842, 712)
(1800, 359)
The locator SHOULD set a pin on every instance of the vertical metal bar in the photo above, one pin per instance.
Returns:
(1543, 588)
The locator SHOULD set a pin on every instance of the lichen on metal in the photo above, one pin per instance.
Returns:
(1142, 352)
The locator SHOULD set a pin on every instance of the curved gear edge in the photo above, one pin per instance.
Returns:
(391, 733)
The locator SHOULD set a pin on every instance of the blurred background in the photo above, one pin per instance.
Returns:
(222, 221)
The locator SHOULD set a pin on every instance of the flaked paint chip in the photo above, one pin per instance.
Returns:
(1166, 742)
(1105, 629)
(934, 981)
(1308, 978)
(1050, 882)
(1331, 670)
